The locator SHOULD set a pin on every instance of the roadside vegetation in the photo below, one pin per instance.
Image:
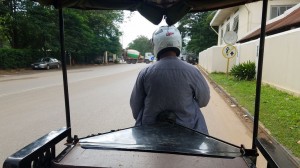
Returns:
(279, 111)
(29, 31)
(196, 28)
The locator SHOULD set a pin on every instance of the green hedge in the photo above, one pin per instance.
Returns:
(20, 58)
(244, 71)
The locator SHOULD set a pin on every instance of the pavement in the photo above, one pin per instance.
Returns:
(277, 151)
(24, 71)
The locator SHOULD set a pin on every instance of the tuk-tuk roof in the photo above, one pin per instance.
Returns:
(153, 10)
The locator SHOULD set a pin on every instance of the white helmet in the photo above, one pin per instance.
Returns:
(166, 38)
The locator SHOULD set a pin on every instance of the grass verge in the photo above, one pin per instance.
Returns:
(279, 111)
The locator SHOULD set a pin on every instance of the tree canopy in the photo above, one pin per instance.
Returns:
(196, 28)
(28, 25)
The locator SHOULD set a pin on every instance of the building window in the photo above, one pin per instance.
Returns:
(279, 10)
(221, 37)
(235, 25)
(227, 27)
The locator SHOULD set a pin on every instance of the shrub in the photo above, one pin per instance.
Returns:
(244, 71)
(20, 58)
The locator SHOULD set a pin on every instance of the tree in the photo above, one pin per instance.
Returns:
(11, 12)
(28, 25)
(95, 33)
(3, 18)
(41, 31)
(141, 44)
(196, 28)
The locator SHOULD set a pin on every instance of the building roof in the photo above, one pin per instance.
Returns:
(289, 20)
(221, 15)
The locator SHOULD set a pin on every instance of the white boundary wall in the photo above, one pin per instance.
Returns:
(281, 67)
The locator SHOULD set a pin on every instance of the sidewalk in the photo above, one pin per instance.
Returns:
(226, 121)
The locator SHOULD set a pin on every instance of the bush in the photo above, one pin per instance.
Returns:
(20, 58)
(244, 71)
(13, 58)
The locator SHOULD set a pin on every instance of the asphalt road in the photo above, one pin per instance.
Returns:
(33, 104)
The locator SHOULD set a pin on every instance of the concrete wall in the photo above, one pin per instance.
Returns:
(281, 59)
(212, 60)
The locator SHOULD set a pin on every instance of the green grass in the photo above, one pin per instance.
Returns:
(279, 111)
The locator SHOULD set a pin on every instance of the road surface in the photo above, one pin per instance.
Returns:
(33, 105)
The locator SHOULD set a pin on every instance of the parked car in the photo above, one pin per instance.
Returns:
(46, 63)
(192, 59)
(98, 60)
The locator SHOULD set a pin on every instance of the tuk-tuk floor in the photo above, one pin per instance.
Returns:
(79, 157)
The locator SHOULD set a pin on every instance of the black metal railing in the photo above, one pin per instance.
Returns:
(38, 154)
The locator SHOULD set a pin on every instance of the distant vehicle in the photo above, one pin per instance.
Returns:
(140, 59)
(110, 59)
(132, 56)
(46, 63)
(149, 57)
(192, 59)
(98, 60)
(182, 57)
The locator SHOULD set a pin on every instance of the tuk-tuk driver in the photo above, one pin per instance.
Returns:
(170, 85)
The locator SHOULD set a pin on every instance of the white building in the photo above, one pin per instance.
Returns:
(282, 50)
(246, 18)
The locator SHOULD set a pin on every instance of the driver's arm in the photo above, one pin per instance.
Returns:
(202, 92)
(138, 96)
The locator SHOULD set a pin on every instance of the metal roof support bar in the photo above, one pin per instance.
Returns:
(273, 152)
(64, 72)
(259, 70)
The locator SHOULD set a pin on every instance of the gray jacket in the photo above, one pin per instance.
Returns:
(170, 85)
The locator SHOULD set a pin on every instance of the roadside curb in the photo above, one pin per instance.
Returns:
(26, 71)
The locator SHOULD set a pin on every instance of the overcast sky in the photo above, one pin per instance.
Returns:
(135, 26)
